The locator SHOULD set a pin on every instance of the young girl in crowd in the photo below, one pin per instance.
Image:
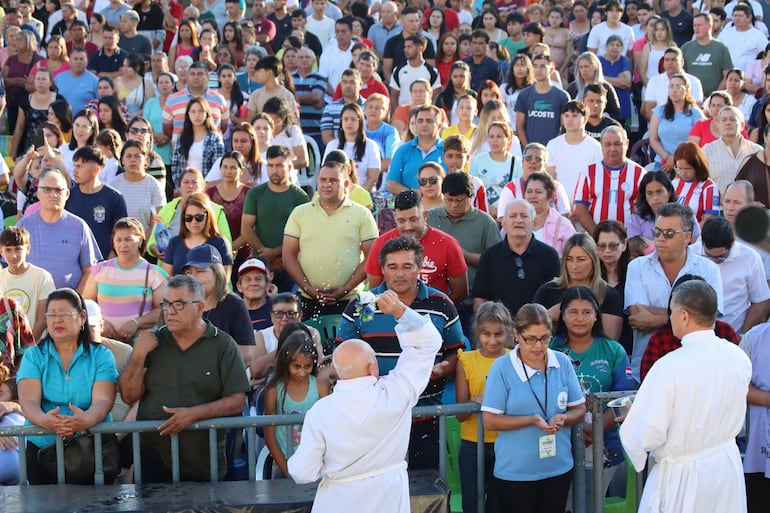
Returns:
(292, 388)
(493, 328)
(111, 144)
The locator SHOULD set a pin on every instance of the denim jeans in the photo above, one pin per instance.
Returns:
(467, 457)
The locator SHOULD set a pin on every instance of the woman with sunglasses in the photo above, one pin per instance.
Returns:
(430, 178)
(580, 266)
(198, 227)
(531, 399)
(600, 364)
(126, 308)
(171, 215)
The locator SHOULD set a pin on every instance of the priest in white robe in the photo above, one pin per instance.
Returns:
(688, 412)
(356, 439)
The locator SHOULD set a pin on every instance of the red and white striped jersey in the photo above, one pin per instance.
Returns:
(609, 193)
(701, 197)
(515, 190)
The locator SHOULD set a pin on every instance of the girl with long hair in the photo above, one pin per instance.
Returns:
(351, 138)
(436, 23)
(234, 98)
(580, 266)
(493, 111)
(111, 115)
(60, 114)
(57, 60)
(465, 112)
(559, 40)
(520, 75)
(134, 89)
(655, 190)
(153, 113)
(292, 388)
(198, 226)
(199, 144)
(491, 24)
(286, 130)
(692, 184)
(233, 38)
(735, 82)
(447, 53)
(85, 127)
(662, 38)
(230, 193)
(244, 142)
(459, 85)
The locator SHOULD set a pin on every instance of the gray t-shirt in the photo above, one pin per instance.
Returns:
(541, 112)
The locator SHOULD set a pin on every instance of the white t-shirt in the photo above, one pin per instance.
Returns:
(598, 36)
(195, 157)
(323, 29)
(756, 7)
(572, 159)
(657, 89)
(405, 75)
(370, 160)
(744, 46)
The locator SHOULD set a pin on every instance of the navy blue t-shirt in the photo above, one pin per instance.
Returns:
(99, 210)
(176, 253)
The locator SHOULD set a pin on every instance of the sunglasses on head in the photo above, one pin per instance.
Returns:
(198, 217)
(433, 180)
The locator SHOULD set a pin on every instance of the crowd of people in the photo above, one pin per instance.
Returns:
(194, 182)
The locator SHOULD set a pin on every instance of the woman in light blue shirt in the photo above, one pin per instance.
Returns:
(67, 383)
(532, 397)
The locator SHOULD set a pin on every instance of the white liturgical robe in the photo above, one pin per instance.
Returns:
(356, 439)
(687, 413)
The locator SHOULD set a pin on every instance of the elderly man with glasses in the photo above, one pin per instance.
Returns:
(185, 372)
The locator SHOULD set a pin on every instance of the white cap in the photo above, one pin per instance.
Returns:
(94, 312)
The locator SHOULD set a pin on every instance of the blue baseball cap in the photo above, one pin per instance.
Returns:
(201, 257)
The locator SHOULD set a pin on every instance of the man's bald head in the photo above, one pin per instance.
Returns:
(355, 358)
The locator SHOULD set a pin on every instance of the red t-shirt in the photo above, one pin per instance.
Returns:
(369, 88)
(441, 259)
(451, 18)
(177, 12)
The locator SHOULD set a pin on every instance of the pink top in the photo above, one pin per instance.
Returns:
(44, 64)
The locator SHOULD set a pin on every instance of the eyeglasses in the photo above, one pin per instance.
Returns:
(462, 200)
(134, 130)
(285, 314)
(52, 190)
(60, 315)
(176, 305)
(667, 233)
(530, 158)
(433, 180)
(717, 259)
(612, 246)
(520, 265)
(198, 217)
(531, 341)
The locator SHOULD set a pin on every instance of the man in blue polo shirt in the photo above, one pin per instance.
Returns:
(401, 260)
(410, 156)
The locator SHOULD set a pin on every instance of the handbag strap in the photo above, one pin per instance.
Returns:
(510, 171)
(556, 231)
(144, 290)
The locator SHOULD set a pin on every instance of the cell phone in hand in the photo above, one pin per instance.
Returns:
(39, 138)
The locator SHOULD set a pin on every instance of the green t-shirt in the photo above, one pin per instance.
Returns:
(272, 210)
(707, 63)
(512, 46)
(205, 372)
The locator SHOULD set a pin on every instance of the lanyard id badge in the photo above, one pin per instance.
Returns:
(547, 446)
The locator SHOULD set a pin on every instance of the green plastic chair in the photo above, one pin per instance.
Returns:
(327, 327)
(619, 504)
(9, 221)
(453, 464)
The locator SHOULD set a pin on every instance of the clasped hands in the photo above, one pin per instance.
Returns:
(553, 425)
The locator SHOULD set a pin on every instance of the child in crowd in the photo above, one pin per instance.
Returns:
(111, 144)
(457, 154)
(493, 327)
(25, 176)
(27, 284)
(292, 388)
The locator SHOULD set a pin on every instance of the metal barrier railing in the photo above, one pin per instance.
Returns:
(250, 424)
